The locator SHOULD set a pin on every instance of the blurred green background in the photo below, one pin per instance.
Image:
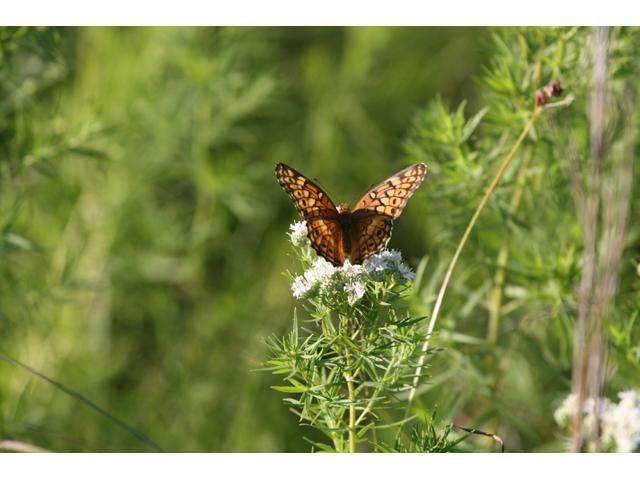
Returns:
(144, 232)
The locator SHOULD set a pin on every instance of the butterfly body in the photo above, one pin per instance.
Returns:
(358, 234)
(345, 219)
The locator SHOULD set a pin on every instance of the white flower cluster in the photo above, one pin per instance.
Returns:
(299, 233)
(385, 263)
(325, 279)
(620, 422)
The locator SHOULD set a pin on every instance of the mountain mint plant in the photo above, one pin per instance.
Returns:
(349, 373)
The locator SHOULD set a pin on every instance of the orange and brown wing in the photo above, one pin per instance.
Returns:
(370, 234)
(326, 239)
(390, 197)
(318, 210)
(308, 198)
(374, 214)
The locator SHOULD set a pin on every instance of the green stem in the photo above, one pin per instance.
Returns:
(503, 255)
(375, 394)
(352, 407)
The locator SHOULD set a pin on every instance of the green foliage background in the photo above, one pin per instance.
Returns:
(144, 233)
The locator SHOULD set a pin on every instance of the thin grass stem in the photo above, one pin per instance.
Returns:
(436, 309)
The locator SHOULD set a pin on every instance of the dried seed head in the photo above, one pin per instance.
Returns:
(547, 92)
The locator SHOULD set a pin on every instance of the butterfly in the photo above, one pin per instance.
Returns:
(358, 234)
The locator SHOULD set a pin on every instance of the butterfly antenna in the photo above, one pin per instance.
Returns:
(362, 193)
(335, 199)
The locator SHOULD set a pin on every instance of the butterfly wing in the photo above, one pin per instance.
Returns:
(323, 228)
(326, 239)
(374, 214)
(370, 234)
(390, 197)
